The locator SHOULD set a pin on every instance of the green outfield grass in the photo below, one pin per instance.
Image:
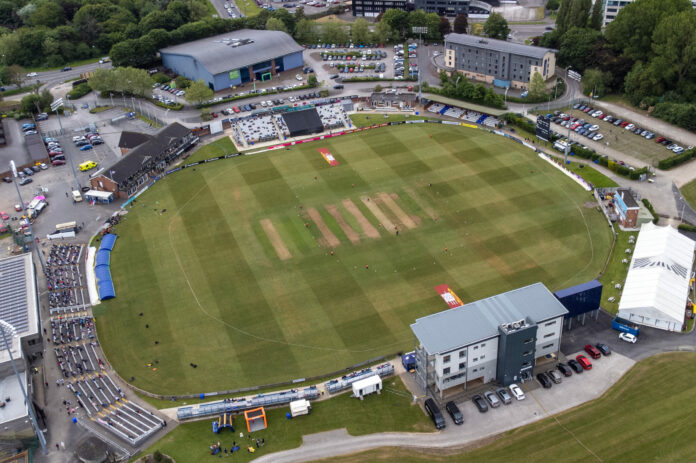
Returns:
(644, 417)
(689, 192)
(486, 216)
(217, 148)
(392, 410)
(367, 119)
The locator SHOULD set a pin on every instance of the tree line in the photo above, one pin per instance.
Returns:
(648, 53)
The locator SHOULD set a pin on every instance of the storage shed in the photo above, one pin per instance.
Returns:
(367, 386)
(300, 407)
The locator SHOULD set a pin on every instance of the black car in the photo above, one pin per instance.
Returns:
(603, 348)
(7, 179)
(434, 412)
(565, 369)
(577, 368)
(338, 87)
(28, 171)
(454, 412)
(544, 380)
(480, 403)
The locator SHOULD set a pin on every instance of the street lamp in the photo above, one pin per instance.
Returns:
(8, 330)
(420, 30)
(576, 77)
(13, 168)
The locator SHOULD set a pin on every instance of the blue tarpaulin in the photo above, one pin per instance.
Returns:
(107, 242)
(102, 273)
(103, 257)
(106, 290)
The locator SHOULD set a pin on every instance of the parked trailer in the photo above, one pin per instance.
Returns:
(623, 325)
(337, 385)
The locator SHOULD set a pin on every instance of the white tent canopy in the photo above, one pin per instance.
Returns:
(657, 284)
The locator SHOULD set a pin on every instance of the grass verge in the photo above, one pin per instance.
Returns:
(590, 174)
(211, 150)
(688, 191)
(643, 417)
(393, 410)
(364, 120)
(149, 121)
(616, 270)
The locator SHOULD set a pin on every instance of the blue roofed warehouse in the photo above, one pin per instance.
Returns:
(230, 59)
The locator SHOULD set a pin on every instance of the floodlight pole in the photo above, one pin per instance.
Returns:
(4, 326)
(576, 77)
(54, 107)
(420, 30)
(13, 168)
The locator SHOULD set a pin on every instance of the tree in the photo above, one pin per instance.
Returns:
(496, 27)
(30, 103)
(553, 5)
(445, 26)
(312, 80)
(47, 14)
(134, 52)
(360, 31)
(597, 16)
(674, 47)
(182, 82)
(383, 32)
(306, 31)
(397, 20)
(477, 29)
(16, 75)
(198, 92)
(576, 46)
(334, 32)
(537, 86)
(432, 22)
(274, 24)
(595, 82)
(632, 30)
(461, 24)
(573, 13)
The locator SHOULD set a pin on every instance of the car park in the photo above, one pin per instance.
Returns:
(492, 399)
(628, 337)
(564, 369)
(480, 403)
(603, 348)
(584, 362)
(544, 380)
(577, 368)
(454, 412)
(435, 414)
(592, 351)
(554, 376)
(504, 396)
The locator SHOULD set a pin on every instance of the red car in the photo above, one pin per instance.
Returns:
(55, 153)
(235, 109)
(592, 351)
(4, 216)
(57, 162)
(624, 123)
(660, 139)
(584, 362)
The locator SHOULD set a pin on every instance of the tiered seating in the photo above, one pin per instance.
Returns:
(471, 116)
(444, 110)
(256, 129)
(435, 108)
(64, 281)
(454, 112)
(282, 126)
(76, 352)
(491, 121)
(481, 119)
(332, 115)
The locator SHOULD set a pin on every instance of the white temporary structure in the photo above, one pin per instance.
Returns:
(300, 407)
(367, 386)
(657, 285)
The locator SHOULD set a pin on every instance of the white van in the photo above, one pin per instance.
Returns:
(67, 226)
(77, 197)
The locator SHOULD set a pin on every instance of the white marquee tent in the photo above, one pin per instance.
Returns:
(657, 285)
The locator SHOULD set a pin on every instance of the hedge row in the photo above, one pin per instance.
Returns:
(520, 121)
(650, 207)
(686, 227)
(677, 160)
(174, 107)
(79, 91)
(619, 169)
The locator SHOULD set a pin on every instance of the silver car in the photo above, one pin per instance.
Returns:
(504, 396)
(492, 399)
(555, 376)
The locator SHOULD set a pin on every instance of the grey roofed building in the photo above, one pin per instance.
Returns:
(130, 140)
(497, 45)
(479, 320)
(18, 298)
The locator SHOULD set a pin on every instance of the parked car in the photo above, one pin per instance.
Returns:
(577, 368)
(25, 180)
(603, 348)
(492, 399)
(584, 362)
(480, 403)
(504, 396)
(598, 137)
(517, 391)
(629, 126)
(628, 337)
(544, 380)
(592, 351)
(435, 414)
(564, 369)
(454, 412)
(86, 147)
(58, 162)
(28, 171)
(554, 376)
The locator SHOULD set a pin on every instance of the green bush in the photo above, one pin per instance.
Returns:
(650, 207)
(173, 107)
(161, 78)
(686, 227)
(182, 82)
(679, 114)
(157, 456)
(677, 159)
(79, 91)
(520, 121)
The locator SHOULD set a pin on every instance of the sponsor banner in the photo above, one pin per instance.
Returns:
(498, 132)
(328, 157)
(471, 126)
(191, 164)
(449, 296)
(449, 122)
(212, 159)
(233, 155)
(528, 145)
(421, 121)
(173, 170)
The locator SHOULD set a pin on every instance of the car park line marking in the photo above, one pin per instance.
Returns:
(582, 444)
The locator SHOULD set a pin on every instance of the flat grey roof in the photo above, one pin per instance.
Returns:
(454, 328)
(219, 54)
(497, 45)
(16, 408)
(18, 294)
